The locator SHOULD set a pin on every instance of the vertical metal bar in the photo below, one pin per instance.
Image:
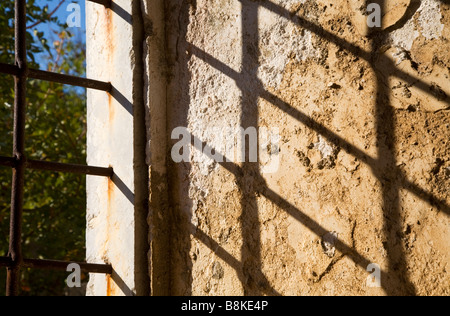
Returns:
(15, 249)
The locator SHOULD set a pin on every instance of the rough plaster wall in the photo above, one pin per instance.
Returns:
(365, 161)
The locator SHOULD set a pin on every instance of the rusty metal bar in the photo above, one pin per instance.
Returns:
(58, 265)
(7, 162)
(71, 168)
(106, 3)
(58, 167)
(15, 230)
(58, 78)
(62, 265)
(69, 80)
(15, 261)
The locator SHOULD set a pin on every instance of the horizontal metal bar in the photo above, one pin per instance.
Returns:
(59, 167)
(69, 80)
(9, 69)
(58, 265)
(58, 78)
(5, 262)
(106, 3)
(7, 162)
(71, 168)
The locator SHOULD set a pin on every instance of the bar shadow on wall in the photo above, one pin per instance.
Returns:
(384, 166)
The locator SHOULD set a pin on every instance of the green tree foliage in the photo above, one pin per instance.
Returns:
(55, 203)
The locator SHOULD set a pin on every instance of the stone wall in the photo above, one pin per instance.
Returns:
(361, 147)
(364, 147)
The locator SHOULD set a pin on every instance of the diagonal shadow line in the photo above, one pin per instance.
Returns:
(317, 127)
(216, 248)
(424, 195)
(290, 209)
(238, 172)
(122, 100)
(121, 284)
(237, 76)
(223, 254)
(315, 227)
(355, 151)
(355, 50)
(409, 14)
(331, 136)
(285, 107)
(123, 188)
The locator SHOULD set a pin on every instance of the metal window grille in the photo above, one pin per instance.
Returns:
(14, 262)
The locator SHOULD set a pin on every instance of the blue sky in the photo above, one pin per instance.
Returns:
(62, 14)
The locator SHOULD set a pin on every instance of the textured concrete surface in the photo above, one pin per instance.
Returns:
(116, 210)
(363, 119)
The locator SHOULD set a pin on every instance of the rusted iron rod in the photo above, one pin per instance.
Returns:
(58, 265)
(62, 265)
(106, 3)
(58, 78)
(17, 192)
(9, 69)
(58, 167)
(69, 80)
